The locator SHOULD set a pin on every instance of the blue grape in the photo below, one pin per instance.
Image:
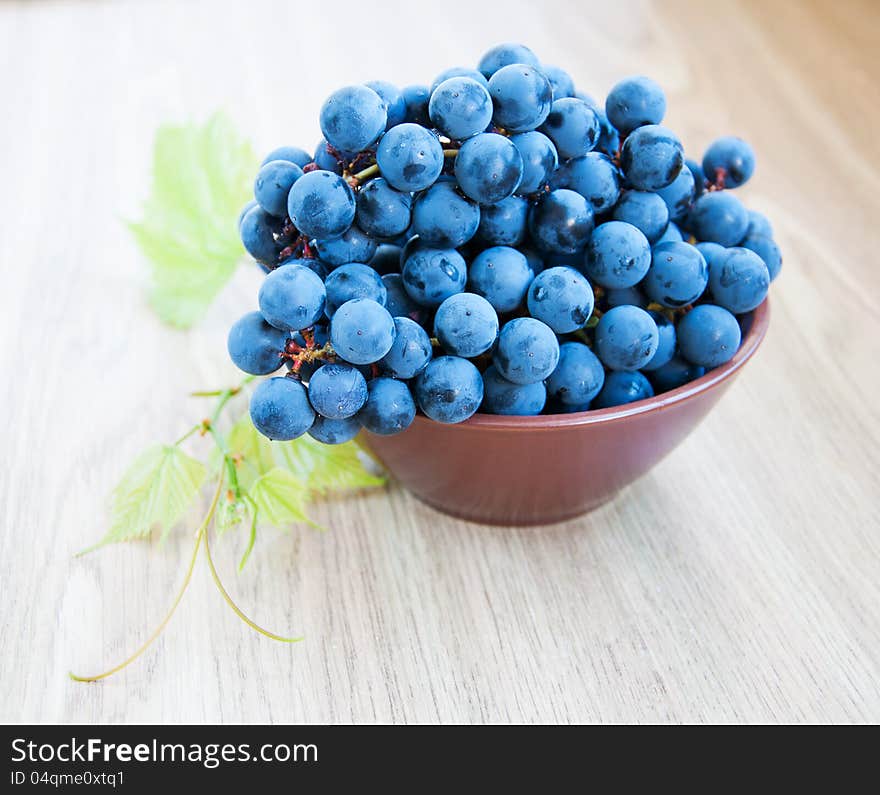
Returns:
(449, 389)
(708, 335)
(527, 351)
(410, 157)
(321, 204)
(466, 325)
(645, 211)
(675, 373)
(622, 387)
(671, 235)
(678, 275)
(595, 177)
(254, 346)
(572, 126)
(759, 225)
(335, 431)
(539, 160)
(625, 295)
(626, 338)
(767, 250)
(719, 217)
(410, 352)
(389, 409)
(699, 177)
(651, 157)
(258, 230)
(351, 281)
(443, 218)
(383, 211)
(362, 331)
(280, 409)
(561, 298)
(561, 222)
(679, 195)
(501, 275)
(337, 391)
(618, 255)
(273, 183)
(399, 304)
(460, 107)
(244, 211)
(459, 71)
(416, 98)
(560, 81)
(292, 154)
(578, 377)
(503, 55)
(386, 259)
(329, 162)
(501, 396)
(666, 344)
(739, 280)
(504, 223)
(521, 96)
(352, 246)
(292, 298)
(353, 118)
(395, 103)
(488, 168)
(711, 252)
(729, 162)
(431, 275)
(635, 102)
(316, 266)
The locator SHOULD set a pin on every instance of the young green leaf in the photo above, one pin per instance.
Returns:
(256, 451)
(202, 175)
(327, 467)
(280, 498)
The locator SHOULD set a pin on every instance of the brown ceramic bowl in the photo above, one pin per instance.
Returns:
(538, 470)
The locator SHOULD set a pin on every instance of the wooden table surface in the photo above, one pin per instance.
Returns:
(738, 581)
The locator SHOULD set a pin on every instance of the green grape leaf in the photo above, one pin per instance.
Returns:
(327, 467)
(256, 451)
(154, 493)
(280, 498)
(202, 176)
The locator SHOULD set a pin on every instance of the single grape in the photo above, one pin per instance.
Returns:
(651, 157)
(383, 211)
(292, 154)
(678, 275)
(739, 280)
(644, 210)
(244, 211)
(671, 235)
(767, 250)
(618, 255)
(431, 275)
(362, 331)
(335, 431)
(539, 160)
(353, 118)
(503, 55)
(386, 259)
(561, 221)
(501, 275)
(292, 298)
(351, 281)
(337, 391)
(443, 218)
(389, 409)
(488, 168)
(460, 107)
(459, 71)
(410, 157)
(622, 387)
(560, 81)
(327, 161)
(561, 298)
(578, 377)
(501, 396)
(711, 252)
(273, 183)
(625, 295)
(449, 389)
(759, 225)
(572, 126)
(527, 351)
(719, 217)
(521, 96)
(352, 246)
(699, 177)
(395, 103)
(258, 230)
(316, 266)
(254, 346)
(708, 335)
(416, 98)
(729, 162)
(679, 195)
(399, 304)
(675, 373)
(321, 204)
(634, 102)
(667, 342)
(504, 223)
(626, 338)
(280, 409)
(594, 176)
(466, 325)
(410, 352)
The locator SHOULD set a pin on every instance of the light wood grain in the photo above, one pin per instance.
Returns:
(738, 581)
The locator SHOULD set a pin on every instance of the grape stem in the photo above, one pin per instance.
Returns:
(371, 171)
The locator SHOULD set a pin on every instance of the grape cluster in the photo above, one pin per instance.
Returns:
(497, 241)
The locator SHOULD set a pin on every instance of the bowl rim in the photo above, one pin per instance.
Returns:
(760, 321)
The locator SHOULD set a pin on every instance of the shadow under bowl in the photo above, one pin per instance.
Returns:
(539, 470)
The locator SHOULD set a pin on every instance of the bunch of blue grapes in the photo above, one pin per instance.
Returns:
(497, 241)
